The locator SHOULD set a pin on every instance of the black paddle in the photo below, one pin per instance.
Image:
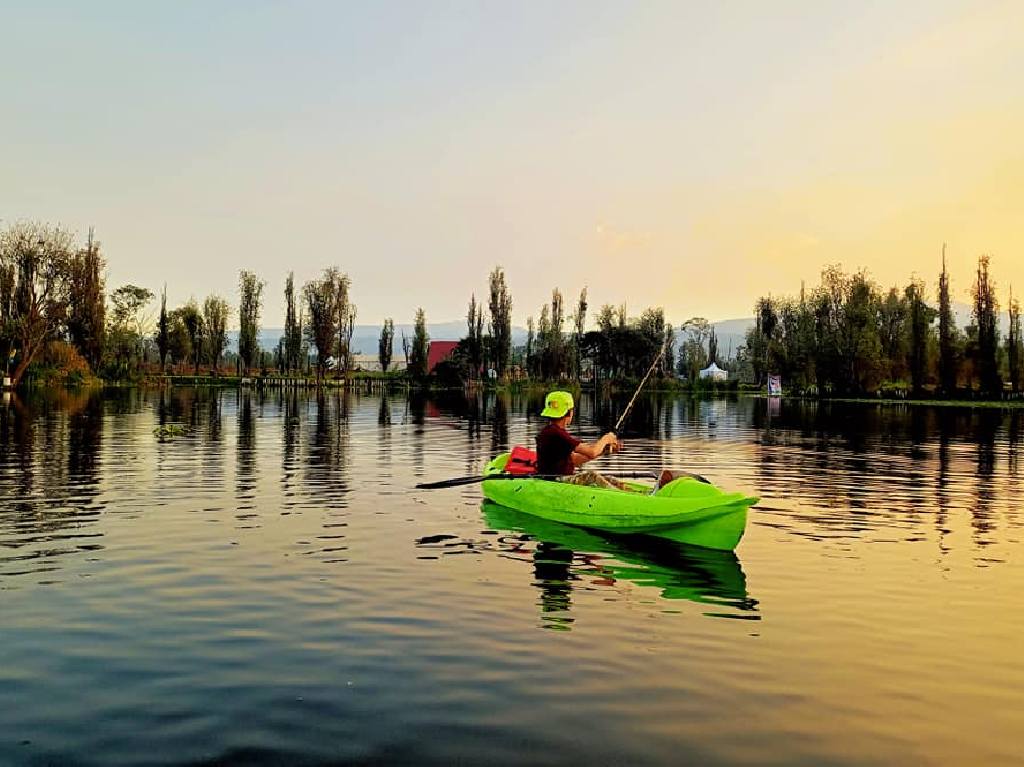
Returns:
(457, 481)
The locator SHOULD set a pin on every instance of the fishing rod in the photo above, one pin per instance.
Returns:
(471, 480)
(629, 406)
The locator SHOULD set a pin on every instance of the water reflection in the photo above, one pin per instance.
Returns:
(49, 480)
(290, 439)
(1013, 438)
(564, 558)
(329, 448)
(499, 424)
(245, 459)
(384, 415)
(327, 630)
(214, 415)
(835, 471)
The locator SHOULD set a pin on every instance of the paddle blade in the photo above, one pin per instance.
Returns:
(454, 482)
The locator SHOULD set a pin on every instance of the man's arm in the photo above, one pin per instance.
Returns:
(588, 451)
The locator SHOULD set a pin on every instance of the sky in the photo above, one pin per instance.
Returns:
(687, 155)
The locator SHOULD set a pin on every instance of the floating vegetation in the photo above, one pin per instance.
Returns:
(169, 431)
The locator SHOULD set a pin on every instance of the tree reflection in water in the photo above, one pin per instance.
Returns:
(53, 485)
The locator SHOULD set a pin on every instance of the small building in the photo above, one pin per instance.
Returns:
(714, 373)
(438, 352)
(370, 363)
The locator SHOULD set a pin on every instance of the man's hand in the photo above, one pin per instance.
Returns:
(588, 451)
(612, 444)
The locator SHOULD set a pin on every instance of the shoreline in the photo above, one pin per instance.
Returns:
(386, 382)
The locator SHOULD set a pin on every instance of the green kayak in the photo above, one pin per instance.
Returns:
(686, 510)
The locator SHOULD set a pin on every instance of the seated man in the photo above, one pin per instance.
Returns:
(559, 452)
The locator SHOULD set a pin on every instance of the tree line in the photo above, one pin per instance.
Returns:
(55, 308)
(847, 336)
(559, 346)
(54, 304)
(844, 337)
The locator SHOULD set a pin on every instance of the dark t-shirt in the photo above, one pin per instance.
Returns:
(554, 450)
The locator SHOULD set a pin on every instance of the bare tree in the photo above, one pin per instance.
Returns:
(35, 263)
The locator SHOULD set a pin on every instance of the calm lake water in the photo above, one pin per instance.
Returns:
(270, 589)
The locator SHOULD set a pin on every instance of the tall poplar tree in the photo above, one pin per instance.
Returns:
(215, 320)
(292, 350)
(1015, 346)
(193, 321)
(346, 320)
(385, 345)
(251, 290)
(580, 326)
(501, 320)
(947, 334)
(555, 357)
(163, 331)
(420, 347)
(985, 315)
(323, 316)
(529, 351)
(475, 335)
(920, 317)
(87, 312)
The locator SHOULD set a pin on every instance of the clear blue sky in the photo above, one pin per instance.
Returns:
(692, 155)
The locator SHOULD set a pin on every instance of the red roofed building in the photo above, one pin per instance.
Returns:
(438, 352)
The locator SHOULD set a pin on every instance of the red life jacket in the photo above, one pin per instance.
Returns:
(521, 461)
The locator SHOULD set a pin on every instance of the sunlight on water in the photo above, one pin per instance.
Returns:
(266, 586)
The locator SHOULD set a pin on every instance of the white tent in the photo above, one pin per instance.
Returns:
(714, 372)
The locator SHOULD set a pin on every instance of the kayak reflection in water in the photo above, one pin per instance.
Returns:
(566, 556)
(553, 576)
(559, 452)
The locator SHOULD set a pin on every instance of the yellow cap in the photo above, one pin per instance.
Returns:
(557, 404)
